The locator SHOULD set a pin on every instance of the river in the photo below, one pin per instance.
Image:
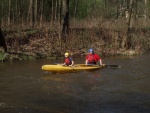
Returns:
(25, 88)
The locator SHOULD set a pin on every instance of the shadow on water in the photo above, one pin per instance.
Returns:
(25, 88)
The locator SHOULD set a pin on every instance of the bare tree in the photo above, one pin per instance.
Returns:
(41, 12)
(128, 44)
(2, 13)
(2, 41)
(9, 12)
(145, 12)
(55, 12)
(65, 18)
(130, 13)
(35, 12)
(75, 9)
(31, 13)
(52, 12)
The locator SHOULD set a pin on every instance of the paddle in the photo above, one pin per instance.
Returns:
(106, 65)
(103, 65)
(112, 66)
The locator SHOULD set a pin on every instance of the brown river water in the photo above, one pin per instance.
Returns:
(25, 88)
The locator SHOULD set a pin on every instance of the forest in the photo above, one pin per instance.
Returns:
(32, 29)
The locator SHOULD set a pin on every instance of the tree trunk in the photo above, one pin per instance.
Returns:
(41, 13)
(105, 7)
(145, 12)
(65, 19)
(9, 12)
(2, 41)
(126, 40)
(118, 11)
(52, 12)
(76, 8)
(33, 15)
(35, 12)
(2, 13)
(30, 13)
(56, 7)
(128, 44)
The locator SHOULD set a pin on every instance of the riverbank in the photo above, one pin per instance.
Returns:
(26, 56)
(46, 43)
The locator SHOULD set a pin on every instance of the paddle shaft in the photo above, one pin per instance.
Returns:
(113, 66)
(103, 65)
(106, 65)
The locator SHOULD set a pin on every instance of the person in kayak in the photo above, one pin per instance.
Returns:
(68, 60)
(92, 58)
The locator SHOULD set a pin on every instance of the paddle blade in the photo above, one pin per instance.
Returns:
(112, 66)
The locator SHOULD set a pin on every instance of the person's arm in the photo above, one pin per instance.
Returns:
(86, 62)
(99, 59)
(72, 63)
(100, 62)
(63, 64)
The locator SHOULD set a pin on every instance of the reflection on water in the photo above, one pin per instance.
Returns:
(25, 88)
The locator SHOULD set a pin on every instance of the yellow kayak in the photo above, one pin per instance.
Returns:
(78, 67)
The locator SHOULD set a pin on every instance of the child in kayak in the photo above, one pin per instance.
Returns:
(68, 60)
